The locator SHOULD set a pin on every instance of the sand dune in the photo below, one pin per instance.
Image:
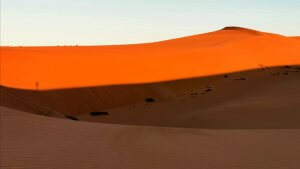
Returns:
(296, 37)
(228, 99)
(33, 142)
(228, 50)
(234, 101)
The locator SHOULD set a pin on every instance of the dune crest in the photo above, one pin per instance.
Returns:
(235, 28)
(223, 51)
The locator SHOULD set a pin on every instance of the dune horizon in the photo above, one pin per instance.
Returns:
(150, 84)
(224, 99)
(230, 49)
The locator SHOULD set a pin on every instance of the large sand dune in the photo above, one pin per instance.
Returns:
(228, 50)
(228, 99)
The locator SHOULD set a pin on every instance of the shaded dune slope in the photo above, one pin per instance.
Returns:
(262, 98)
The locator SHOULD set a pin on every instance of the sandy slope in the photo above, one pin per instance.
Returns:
(33, 142)
(226, 50)
(262, 101)
(267, 98)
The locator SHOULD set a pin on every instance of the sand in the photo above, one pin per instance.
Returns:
(266, 98)
(228, 99)
(32, 142)
(222, 51)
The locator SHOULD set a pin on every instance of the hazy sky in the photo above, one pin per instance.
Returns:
(97, 22)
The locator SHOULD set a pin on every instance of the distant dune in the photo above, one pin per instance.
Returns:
(228, 50)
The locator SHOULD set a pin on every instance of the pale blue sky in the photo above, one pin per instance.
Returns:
(102, 22)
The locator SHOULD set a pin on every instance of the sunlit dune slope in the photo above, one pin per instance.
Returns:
(296, 37)
(228, 50)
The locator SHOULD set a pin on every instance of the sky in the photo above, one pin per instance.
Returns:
(105, 22)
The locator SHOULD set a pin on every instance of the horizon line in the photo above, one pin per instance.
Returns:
(150, 42)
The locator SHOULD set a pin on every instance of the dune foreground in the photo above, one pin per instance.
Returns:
(228, 99)
(32, 142)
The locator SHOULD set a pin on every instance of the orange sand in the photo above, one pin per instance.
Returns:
(226, 50)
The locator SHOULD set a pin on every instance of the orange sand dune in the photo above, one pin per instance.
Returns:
(296, 37)
(228, 50)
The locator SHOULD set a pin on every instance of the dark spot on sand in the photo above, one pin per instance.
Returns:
(275, 74)
(240, 78)
(98, 113)
(71, 117)
(226, 76)
(149, 100)
(288, 67)
(208, 90)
